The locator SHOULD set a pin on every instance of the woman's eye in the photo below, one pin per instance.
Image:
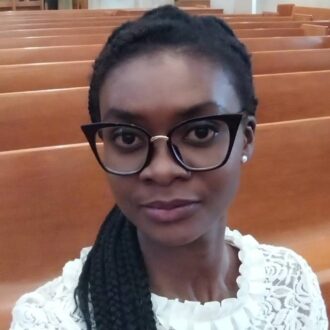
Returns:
(200, 134)
(127, 139)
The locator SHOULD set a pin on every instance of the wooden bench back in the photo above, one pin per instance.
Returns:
(291, 61)
(253, 44)
(70, 40)
(82, 30)
(286, 43)
(98, 13)
(88, 52)
(29, 77)
(53, 117)
(259, 33)
(49, 54)
(36, 76)
(115, 21)
(242, 33)
(317, 13)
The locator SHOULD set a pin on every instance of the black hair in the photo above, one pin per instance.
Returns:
(113, 291)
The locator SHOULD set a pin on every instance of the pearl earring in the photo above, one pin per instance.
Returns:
(244, 159)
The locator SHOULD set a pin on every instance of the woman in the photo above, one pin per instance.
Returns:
(173, 110)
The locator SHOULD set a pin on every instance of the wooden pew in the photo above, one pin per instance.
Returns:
(98, 13)
(87, 39)
(317, 13)
(49, 54)
(68, 23)
(243, 33)
(35, 119)
(28, 77)
(119, 20)
(259, 33)
(58, 31)
(286, 43)
(42, 118)
(89, 52)
(265, 62)
(35, 76)
(45, 20)
(291, 96)
(282, 61)
(52, 181)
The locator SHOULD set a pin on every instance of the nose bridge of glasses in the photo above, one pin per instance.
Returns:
(159, 137)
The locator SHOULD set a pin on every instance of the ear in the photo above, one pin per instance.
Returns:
(249, 136)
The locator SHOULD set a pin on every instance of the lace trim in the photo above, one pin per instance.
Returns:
(174, 314)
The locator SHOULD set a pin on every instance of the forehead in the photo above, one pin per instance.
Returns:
(159, 87)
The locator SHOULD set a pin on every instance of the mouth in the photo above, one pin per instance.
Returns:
(170, 211)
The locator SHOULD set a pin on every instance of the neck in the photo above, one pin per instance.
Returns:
(203, 270)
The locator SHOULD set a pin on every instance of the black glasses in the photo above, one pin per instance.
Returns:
(198, 144)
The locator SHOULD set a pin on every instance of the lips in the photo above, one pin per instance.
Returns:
(170, 211)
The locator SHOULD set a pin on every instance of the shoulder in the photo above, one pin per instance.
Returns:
(292, 284)
(52, 305)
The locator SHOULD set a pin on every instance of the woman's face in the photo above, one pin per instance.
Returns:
(166, 203)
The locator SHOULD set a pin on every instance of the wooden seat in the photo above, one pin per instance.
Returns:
(60, 192)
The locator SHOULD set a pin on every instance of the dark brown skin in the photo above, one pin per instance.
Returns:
(186, 258)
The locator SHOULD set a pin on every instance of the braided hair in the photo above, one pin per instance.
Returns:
(113, 291)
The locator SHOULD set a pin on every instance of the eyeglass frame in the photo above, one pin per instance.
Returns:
(232, 120)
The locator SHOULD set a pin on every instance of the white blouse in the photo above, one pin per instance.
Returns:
(277, 290)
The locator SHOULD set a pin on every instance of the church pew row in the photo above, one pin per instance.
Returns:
(286, 43)
(53, 117)
(96, 13)
(317, 13)
(64, 40)
(36, 76)
(253, 44)
(240, 32)
(290, 61)
(119, 20)
(48, 21)
(61, 192)
(264, 62)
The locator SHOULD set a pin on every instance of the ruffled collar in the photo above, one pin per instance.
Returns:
(173, 314)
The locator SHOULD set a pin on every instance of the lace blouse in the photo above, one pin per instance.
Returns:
(277, 290)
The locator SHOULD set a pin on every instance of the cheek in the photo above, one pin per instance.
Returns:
(223, 183)
(121, 188)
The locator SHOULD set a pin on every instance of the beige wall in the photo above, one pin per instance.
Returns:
(94, 4)
(246, 6)
(270, 5)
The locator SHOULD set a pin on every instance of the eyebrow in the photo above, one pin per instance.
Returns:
(190, 112)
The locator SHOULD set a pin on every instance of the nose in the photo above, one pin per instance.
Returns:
(163, 169)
